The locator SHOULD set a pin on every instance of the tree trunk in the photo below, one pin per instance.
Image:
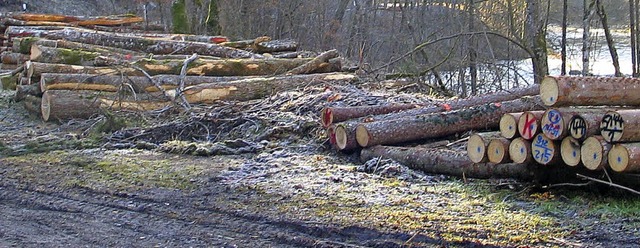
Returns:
(590, 91)
(563, 53)
(276, 46)
(593, 153)
(23, 91)
(589, 11)
(607, 33)
(624, 157)
(330, 115)
(477, 146)
(498, 151)
(36, 69)
(314, 63)
(570, 151)
(632, 26)
(135, 43)
(13, 58)
(23, 45)
(255, 88)
(80, 20)
(520, 151)
(537, 30)
(529, 124)
(509, 125)
(555, 122)
(545, 151)
(32, 104)
(583, 125)
(227, 67)
(63, 56)
(448, 162)
(621, 126)
(114, 83)
(60, 105)
(486, 116)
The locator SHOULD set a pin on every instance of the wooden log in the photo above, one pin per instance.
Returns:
(555, 122)
(227, 67)
(570, 151)
(255, 88)
(448, 162)
(23, 45)
(78, 20)
(9, 82)
(15, 22)
(560, 91)
(509, 125)
(498, 151)
(477, 146)
(545, 151)
(62, 56)
(520, 151)
(582, 126)
(135, 43)
(32, 104)
(594, 152)
(529, 124)
(624, 157)
(486, 116)
(272, 46)
(246, 44)
(330, 115)
(345, 140)
(621, 126)
(60, 105)
(22, 91)
(36, 69)
(315, 63)
(113, 83)
(13, 58)
(201, 38)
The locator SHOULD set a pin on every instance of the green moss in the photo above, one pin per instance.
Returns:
(76, 57)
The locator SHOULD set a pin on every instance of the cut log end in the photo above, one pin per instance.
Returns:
(529, 125)
(35, 53)
(544, 150)
(477, 149)
(570, 151)
(362, 136)
(497, 151)
(593, 153)
(45, 106)
(327, 117)
(619, 159)
(520, 151)
(509, 125)
(549, 91)
(552, 124)
(578, 127)
(612, 127)
(341, 137)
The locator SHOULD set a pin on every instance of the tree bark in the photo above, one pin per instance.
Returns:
(276, 46)
(632, 26)
(593, 153)
(23, 91)
(477, 146)
(563, 53)
(315, 63)
(61, 105)
(36, 69)
(520, 151)
(63, 56)
(330, 115)
(607, 33)
(624, 157)
(448, 162)
(79, 20)
(621, 126)
(545, 151)
(23, 45)
(590, 91)
(555, 122)
(481, 117)
(589, 11)
(226, 67)
(13, 58)
(509, 125)
(570, 151)
(529, 124)
(135, 43)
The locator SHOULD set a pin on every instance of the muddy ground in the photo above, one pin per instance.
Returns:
(258, 174)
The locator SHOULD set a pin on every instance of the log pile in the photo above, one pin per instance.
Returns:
(66, 67)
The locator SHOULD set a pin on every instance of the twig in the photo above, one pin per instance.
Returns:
(609, 183)
(183, 74)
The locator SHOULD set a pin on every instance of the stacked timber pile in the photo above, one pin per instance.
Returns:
(592, 124)
(65, 68)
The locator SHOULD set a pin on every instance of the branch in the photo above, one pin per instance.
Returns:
(609, 183)
(183, 74)
(13, 73)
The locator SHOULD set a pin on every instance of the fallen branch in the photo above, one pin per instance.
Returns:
(609, 183)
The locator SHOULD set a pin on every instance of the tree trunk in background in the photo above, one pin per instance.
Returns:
(612, 47)
(334, 25)
(473, 70)
(179, 17)
(213, 19)
(637, 36)
(565, 7)
(589, 10)
(536, 33)
(632, 26)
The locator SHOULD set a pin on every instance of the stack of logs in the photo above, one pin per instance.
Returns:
(591, 122)
(64, 70)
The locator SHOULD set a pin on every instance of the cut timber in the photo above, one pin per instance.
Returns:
(344, 139)
(589, 91)
(13, 58)
(23, 45)
(448, 162)
(624, 157)
(130, 42)
(582, 126)
(593, 153)
(529, 124)
(201, 38)
(36, 69)
(520, 151)
(477, 146)
(272, 46)
(79, 20)
(32, 104)
(62, 105)
(570, 151)
(226, 67)
(509, 125)
(315, 63)
(62, 55)
(498, 151)
(330, 115)
(621, 126)
(22, 91)
(544, 150)
(486, 116)
(555, 122)
(254, 88)
(113, 83)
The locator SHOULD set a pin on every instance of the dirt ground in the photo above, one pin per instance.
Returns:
(207, 180)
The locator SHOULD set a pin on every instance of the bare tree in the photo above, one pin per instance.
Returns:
(610, 43)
